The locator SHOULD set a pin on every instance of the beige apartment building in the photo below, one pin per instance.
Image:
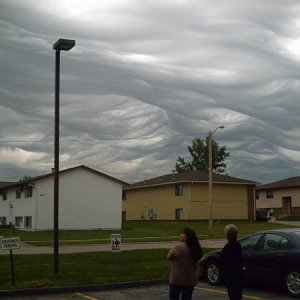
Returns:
(184, 196)
(280, 198)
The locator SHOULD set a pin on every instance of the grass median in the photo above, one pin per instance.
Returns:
(36, 271)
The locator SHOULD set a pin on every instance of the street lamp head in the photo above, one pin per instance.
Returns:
(219, 127)
(64, 44)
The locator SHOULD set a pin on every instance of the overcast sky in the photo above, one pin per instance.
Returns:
(144, 79)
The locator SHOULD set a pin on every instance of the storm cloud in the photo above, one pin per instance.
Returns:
(144, 79)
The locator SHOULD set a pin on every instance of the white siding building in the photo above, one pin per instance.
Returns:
(88, 199)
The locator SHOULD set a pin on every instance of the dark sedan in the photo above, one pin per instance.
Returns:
(269, 257)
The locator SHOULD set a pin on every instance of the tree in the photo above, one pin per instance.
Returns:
(25, 178)
(199, 152)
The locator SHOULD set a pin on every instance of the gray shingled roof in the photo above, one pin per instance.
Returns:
(5, 183)
(12, 184)
(184, 177)
(291, 182)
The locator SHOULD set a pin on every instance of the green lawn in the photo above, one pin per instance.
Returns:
(32, 271)
(36, 271)
(138, 231)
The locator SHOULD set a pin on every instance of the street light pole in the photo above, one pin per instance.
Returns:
(210, 179)
(65, 45)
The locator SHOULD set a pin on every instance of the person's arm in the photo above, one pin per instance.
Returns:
(222, 257)
(173, 253)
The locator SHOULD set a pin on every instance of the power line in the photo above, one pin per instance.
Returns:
(103, 139)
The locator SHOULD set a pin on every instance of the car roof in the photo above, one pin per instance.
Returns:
(278, 230)
(288, 231)
(283, 230)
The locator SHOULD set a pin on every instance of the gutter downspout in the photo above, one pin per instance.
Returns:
(189, 201)
(35, 189)
(10, 213)
(254, 204)
(36, 209)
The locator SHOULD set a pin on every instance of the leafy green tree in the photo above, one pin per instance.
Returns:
(199, 151)
(25, 178)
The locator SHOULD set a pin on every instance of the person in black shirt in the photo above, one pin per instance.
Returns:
(231, 264)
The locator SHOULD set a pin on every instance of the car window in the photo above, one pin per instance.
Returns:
(297, 234)
(248, 243)
(273, 242)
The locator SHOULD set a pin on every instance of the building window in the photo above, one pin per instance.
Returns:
(269, 194)
(256, 195)
(179, 214)
(18, 193)
(150, 213)
(28, 192)
(4, 195)
(28, 222)
(124, 195)
(178, 189)
(3, 220)
(18, 222)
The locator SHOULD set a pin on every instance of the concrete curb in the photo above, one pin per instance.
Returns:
(81, 288)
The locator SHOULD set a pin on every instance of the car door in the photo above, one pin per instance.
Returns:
(267, 258)
(248, 245)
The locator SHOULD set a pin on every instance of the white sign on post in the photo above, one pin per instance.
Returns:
(116, 242)
(10, 243)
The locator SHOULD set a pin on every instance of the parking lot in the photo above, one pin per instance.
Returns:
(159, 292)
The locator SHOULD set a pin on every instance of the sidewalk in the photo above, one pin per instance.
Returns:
(293, 223)
(30, 249)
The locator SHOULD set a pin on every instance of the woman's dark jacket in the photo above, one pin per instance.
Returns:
(231, 261)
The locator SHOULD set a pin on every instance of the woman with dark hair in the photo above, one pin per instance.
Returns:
(184, 259)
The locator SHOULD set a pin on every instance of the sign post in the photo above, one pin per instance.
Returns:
(10, 244)
(116, 243)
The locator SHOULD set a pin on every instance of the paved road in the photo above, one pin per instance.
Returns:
(30, 249)
(159, 292)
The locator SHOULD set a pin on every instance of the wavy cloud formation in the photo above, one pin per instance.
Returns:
(144, 79)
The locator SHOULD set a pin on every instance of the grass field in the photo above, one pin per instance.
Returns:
(34, 271)
(133, 231)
